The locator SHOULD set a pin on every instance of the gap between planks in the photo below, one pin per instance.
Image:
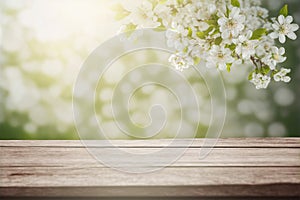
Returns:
(195, 143)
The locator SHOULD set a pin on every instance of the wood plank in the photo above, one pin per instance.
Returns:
(230, 142)
(187, 181)
(249, 167)
(178, 192)
(62, 156)
(180, 176)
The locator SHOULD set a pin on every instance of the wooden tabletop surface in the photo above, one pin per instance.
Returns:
(249, 167)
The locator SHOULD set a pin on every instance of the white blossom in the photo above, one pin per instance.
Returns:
(232, 25)
(282, 75)
(264, 47)
(180, 61)
(274, 57)
(205, 10)
(163, 12)
(260, 81)
(245, 47)
(219, 57)
(261, 12)
(284, 27)
(220, 33)
(175, 39)
(144, 16)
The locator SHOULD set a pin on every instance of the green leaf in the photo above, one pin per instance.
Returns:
(231, 47)
(161, 27)
(228, 66)
(209, 30)
(235, 3)
(284, 10)
(185, 50)
(265, 70)
(190, 32)
(180, 1)
(258, 33)
(129, 28)
(154, 2)
(218, 41)
(227, 11)
(162, 1)
(250, 76)
(197, 60)
(121, 13)
(273, 72)
(201, 35)
(211, 22)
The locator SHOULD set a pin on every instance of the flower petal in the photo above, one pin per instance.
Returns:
(222, 21)
(234, 12)
(242, 18)
(292, 35)
(203, 26)
(276, 78)
(282, 38)
(294, 27)
(225, 35)
(274, 35)
(282, 59)
(249, 34)
(287, 79)
(222, 66)
(281, 51)
(275, 26)
(289, 19)
(281, 19)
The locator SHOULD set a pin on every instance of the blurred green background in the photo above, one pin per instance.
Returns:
(44, 43)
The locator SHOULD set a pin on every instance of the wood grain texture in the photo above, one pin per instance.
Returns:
(231, 142)
(251, 167)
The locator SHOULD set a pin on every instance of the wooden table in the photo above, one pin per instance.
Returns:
(245, 168)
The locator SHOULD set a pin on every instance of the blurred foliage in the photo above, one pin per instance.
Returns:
(45, 42)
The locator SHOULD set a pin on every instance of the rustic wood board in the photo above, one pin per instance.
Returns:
(251, 167)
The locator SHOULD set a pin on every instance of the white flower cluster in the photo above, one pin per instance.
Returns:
(222, 33)
(282, 75)
(260, 80)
